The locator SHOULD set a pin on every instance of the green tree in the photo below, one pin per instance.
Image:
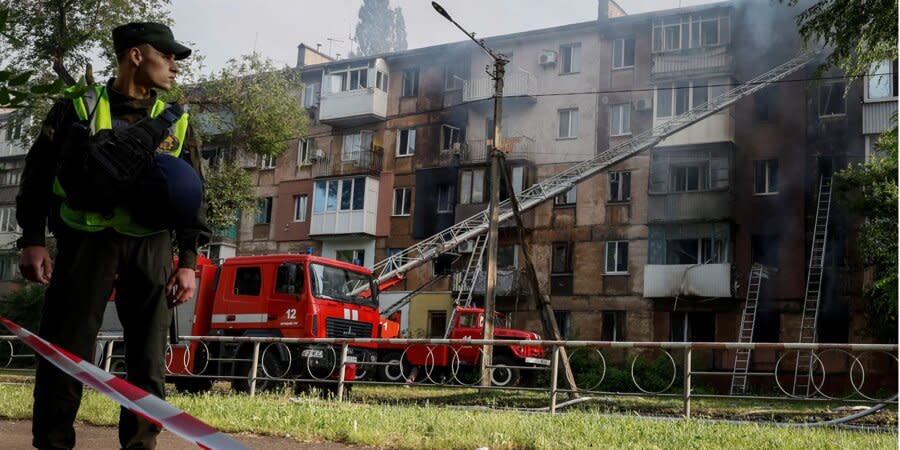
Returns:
(252, 108)
(860, 33)
(870, 190)
(380, 29)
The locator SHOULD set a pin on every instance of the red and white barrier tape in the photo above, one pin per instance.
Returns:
(126, 394)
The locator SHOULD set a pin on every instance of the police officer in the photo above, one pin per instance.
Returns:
(100, 251)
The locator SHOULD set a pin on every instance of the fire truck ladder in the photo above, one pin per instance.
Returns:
(448, 239)
(803, 368)
(467, 284)
(748, 320)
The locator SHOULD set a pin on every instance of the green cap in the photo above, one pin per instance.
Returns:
(155, 34)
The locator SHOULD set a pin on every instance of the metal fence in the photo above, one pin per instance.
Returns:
(682, 364)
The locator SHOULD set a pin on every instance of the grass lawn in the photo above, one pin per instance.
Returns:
(419, 419)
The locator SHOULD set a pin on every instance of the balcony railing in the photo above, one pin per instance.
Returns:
(509, 282)
(514, 85)
(356, 162)
(476, 151)
(716, 59)
(687, 280)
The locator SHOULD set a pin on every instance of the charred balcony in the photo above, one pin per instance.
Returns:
(355, 161)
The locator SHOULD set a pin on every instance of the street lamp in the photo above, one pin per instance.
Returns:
(491, 280)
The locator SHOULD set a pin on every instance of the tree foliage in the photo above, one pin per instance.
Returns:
(860, 33)
(59, 35)
(251, 108)
(380, 29)
(228, 190)
(870, 190)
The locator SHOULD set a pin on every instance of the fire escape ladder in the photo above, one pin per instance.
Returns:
(803, 369)
(448, 239)
(748, 321)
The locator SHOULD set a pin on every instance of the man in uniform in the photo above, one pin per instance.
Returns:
(97, 252)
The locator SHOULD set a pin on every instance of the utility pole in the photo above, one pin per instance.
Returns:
(494, 208)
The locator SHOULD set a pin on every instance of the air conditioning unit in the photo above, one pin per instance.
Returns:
(643, 104)
(547, 58)
(466, 247)
(317, 155)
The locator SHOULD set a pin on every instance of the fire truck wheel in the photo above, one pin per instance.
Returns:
(193, 385)
(274, 366)
(504, 376)
(391, 371)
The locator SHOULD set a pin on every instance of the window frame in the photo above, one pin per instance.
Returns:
(572, 130)
(410, 149)
(619, 53)
(618, 324)
(454, 135)
(620, 111)
(832, 86)
(405, 202)
(8, 223)
(444, 205)
(891, 77)
(619, 178)
(688, 29)
(301, 205)
(617, 253)
(764, 167)
(572, 50)
(359, 147)
(564, 201)
(703, 176)
(263, 210)
(311, 93)
(267, 162)
(567, 258)
(468, 182)
(409, 82)
(303, 152)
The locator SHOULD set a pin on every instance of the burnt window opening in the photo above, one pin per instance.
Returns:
(613, 328)
(831, 98)
(692, 327)
(764, 249)
(765, 105)
(765, 176)
(444, 198)
(694, 251)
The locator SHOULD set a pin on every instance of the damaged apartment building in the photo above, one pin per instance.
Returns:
(659, 246)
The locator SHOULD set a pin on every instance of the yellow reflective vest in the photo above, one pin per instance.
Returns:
(120, 219)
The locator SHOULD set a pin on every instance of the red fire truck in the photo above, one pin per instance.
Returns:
(460, 363)
(282, 295)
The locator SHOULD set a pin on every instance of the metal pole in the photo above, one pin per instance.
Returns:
(687, 382)
(494, 211)
(342, 372)
(254, 367)
(107, 359)
(554, 377)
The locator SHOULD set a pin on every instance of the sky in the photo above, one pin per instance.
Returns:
(225, 29)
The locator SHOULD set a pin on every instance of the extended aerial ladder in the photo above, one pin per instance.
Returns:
(448, 239)
(758, 272)
(803, 369)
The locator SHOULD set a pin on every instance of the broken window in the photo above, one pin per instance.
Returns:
(692, 327)
(613, 328)
(831, 98)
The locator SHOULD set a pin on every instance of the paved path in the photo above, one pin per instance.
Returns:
(16, 435)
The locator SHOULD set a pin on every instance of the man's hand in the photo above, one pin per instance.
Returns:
(35, 264)
(183, 283)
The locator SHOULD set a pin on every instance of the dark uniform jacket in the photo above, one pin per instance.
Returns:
(37, 207)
